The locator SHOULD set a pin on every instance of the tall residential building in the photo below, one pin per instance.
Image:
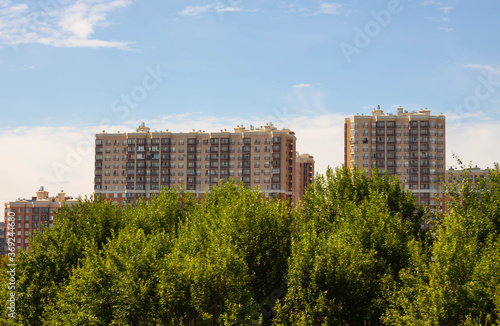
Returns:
(32, 214)
(138, 164)
(305, 173)
(3, 252)
(411, 145)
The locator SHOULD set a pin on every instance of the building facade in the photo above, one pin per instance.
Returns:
(474, 174)
(305, 174)
(138, 164)
(32, 214)
(411, 145)
(3, 243)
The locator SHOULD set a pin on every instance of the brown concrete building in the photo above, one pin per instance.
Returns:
(32, 214)
(411, 145)
(138, 164)
(305, 174)
(2, 239)
(474, 174)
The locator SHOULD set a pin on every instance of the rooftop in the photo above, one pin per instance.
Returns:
(269, 127)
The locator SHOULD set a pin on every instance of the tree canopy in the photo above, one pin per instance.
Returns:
(356, 251)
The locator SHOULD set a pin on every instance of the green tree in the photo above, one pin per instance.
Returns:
(352, 242)
(54, 253)
(254, 228)
(459, 286)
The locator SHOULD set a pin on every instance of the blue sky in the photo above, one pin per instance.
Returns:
(71, 68)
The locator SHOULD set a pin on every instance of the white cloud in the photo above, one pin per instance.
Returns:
(325, 8)
(444, 7)
(446, 29)
(476, 115)
(484, 68)
(194, 11)
(66, 24)
(57, 158)
(221, 8)
(293, 8)
(329, 8)
(302, 85)
(446, 10)
(473, 141)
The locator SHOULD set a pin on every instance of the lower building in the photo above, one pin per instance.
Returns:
(24, 216)
(474, 175)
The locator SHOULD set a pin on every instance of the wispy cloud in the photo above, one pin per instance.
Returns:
(462, 140)
(445, 8)
(62, 24)
(329, 8)
(302, 85)
(325, 8)
(484, 68)
(24, 177)
(472, 115)
(194, 11)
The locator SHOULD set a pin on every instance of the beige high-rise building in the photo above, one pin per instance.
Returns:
(139, 164)
(305, 174)
(24, 216)
(411, 145)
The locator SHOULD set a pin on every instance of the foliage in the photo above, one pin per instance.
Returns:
(460, 285)
(352, 244)
(356, 251)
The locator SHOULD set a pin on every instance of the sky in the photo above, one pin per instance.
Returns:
(70, 69)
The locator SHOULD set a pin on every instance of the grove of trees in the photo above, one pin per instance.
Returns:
(356, 251)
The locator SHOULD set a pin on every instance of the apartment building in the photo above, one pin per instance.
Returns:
(3, 252)
(305, 174)
(474, 174)
(138, 164)
(32, 214)
(411, 145)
